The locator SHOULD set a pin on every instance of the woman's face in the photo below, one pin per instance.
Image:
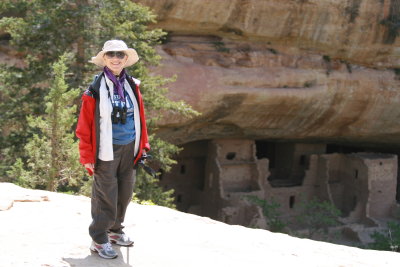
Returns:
(115, 61)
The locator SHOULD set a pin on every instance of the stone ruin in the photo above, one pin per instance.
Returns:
(213, 178)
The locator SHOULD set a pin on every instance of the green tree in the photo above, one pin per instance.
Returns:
(52, 160)
(43, 30)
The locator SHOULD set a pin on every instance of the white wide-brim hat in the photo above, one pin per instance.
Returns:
(115, 45)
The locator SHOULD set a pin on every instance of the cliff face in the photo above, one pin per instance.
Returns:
(305, 70)
(361, 31)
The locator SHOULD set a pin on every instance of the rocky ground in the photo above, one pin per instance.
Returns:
(41, 228)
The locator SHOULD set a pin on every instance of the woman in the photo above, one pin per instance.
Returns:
(112, 136)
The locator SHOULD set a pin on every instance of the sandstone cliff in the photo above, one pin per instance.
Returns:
(301, 70)
(361, 31)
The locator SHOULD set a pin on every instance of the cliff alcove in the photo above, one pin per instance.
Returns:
(296, 98)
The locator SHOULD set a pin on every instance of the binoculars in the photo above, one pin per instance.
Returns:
(118, 115)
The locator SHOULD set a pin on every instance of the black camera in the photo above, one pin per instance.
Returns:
(119, 115)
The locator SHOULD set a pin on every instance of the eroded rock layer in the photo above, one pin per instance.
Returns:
(302, 70)
(362, 31)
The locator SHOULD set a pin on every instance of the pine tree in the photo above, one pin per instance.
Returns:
(52, 160)
(42, 31)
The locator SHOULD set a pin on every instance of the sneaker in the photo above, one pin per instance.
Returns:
(105, 250)
(120, 239)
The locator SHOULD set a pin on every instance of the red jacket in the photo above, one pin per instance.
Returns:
(88, 131)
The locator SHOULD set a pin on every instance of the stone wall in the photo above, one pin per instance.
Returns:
(361, 185)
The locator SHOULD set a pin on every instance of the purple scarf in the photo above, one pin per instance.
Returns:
(118, 83)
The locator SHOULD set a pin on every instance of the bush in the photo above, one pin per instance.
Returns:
(388, 240)
(317, 216)
(271, 213)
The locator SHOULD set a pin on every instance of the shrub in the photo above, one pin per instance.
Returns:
(318, 216)
(388, 240)
(271, 213)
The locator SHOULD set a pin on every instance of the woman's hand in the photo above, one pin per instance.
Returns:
(90, 167)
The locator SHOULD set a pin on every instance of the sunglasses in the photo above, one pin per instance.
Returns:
(118, 54)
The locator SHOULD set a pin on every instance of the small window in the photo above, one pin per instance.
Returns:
(183, 169)
(179, 198)
(302, 160)
(230, 155)
(291, 202)
(356, 174)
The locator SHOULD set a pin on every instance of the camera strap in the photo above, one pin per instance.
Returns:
(112, 100)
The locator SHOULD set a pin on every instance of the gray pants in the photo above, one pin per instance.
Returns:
(111, 192)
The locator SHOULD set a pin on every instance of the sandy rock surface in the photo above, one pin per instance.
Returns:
(50, 229)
